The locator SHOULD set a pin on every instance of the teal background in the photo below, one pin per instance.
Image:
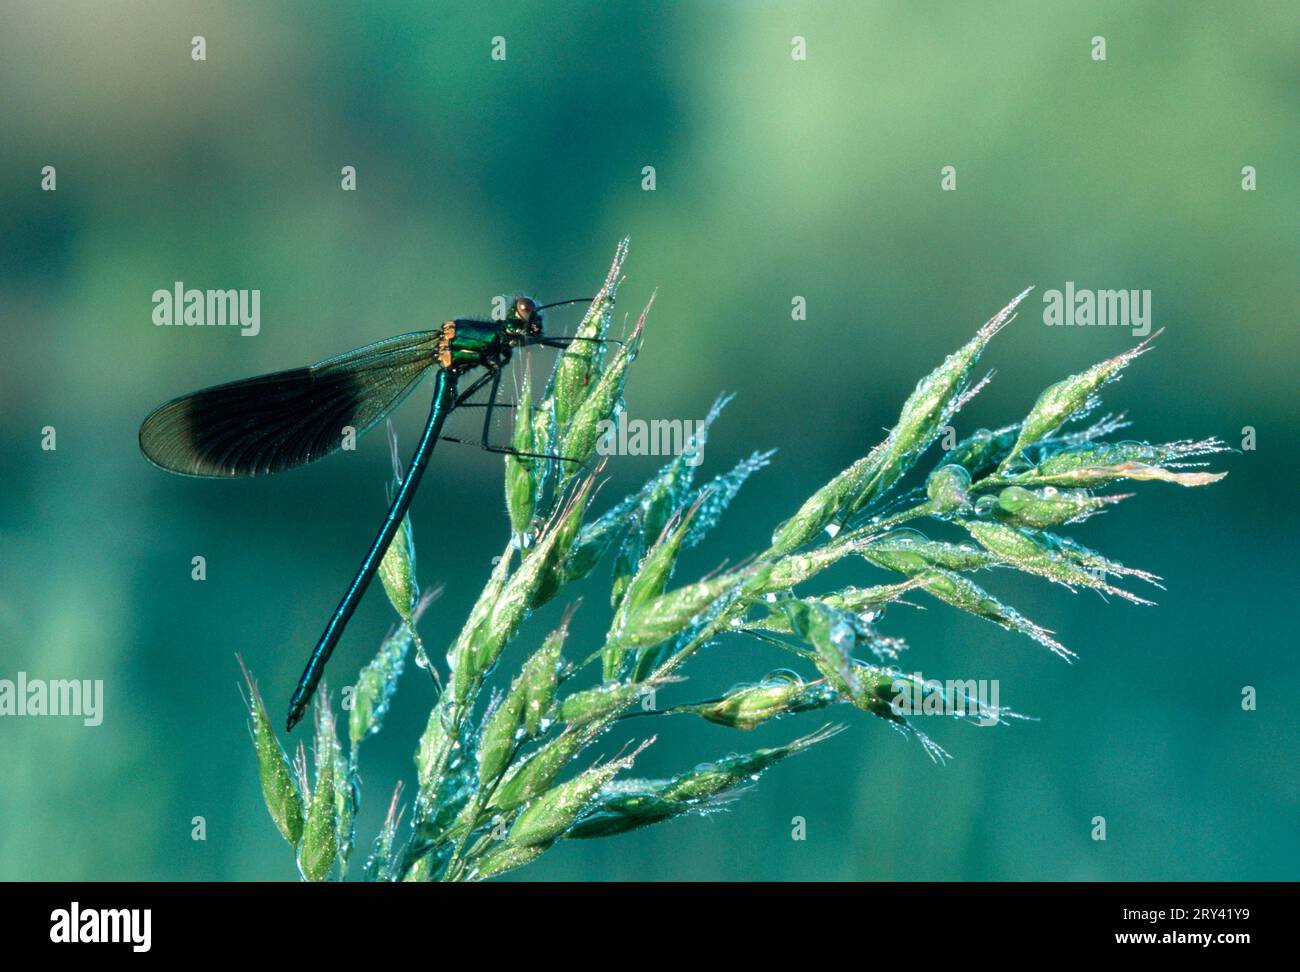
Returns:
(775, 178)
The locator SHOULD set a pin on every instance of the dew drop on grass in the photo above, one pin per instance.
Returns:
(842, 636)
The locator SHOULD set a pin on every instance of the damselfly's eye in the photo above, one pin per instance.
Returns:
(525, 308)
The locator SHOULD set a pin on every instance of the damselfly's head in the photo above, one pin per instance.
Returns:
(524, 319)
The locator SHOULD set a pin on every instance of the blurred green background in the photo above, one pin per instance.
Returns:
(775, 178)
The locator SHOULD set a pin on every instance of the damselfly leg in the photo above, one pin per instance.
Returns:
(494, 377)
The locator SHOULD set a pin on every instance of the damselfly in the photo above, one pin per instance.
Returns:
(278, 421)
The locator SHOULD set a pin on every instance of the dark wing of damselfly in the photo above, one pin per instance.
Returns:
(273, 422)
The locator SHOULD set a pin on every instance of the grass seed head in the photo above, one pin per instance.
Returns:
(536, 774)
(949, 488)
(580, 364)
(1025, 551)
(1047, 507)
(397, 572)
(555, 811)
(521, 475)
(506, 857)
(320, 842)
(283, 799)
(909, 554)
(779, 694)
(1068, 397)
(965, 595)
(709, 779)
(602, 405)
(936, 398)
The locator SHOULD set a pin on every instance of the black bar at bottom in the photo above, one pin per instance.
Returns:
(703, 921)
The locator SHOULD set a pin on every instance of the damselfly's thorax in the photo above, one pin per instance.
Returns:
(463, 344)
